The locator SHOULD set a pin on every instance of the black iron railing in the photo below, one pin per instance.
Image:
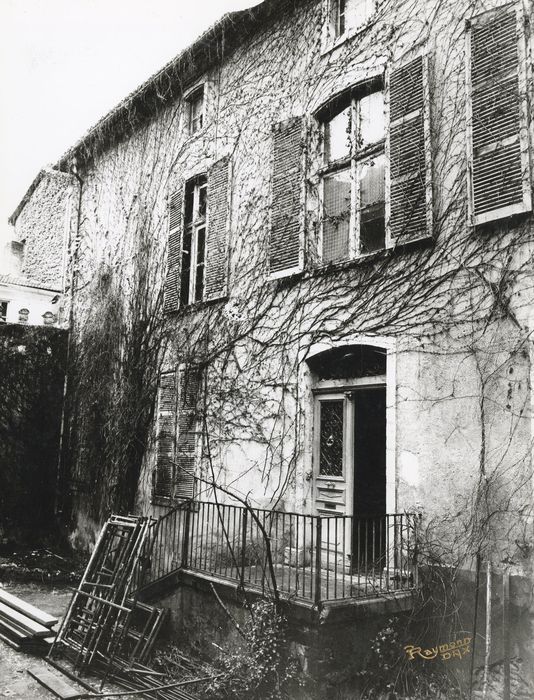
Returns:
(309, 557)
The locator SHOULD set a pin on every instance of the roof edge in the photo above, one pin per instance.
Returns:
(47, 170)
(175, 66)
(26, 282)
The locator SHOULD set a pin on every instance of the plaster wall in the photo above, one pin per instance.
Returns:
(461, 371)
(37, 301)
(41, 226)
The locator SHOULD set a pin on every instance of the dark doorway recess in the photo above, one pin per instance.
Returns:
(369, 532)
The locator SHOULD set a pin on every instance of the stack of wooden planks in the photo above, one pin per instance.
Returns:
(23, 626)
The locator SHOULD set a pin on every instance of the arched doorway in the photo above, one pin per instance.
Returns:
(349, 460)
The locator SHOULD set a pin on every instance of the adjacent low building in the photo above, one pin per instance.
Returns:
(34, 259)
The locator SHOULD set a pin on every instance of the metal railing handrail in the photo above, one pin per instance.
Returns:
(193, 501)
(317, 557)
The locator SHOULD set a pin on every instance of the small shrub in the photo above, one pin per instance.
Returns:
(261, 667)
(388, 674)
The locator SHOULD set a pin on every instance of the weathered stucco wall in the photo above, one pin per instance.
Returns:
(462, 412)
(41, 225)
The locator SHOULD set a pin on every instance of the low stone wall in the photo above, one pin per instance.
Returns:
(32, 372)
(203, 612)
(344, 646)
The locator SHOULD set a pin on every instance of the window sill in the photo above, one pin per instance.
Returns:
(352, 262)
(321, 269)
(167, 501)
(189, 309)
(163, 501)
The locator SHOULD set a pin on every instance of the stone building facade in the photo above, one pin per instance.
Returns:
(34, 260)
(41, 222)
(340, 195)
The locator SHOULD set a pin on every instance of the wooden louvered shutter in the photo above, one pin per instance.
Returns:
(174, 252)
(184, 486)
(409, 200)
(166, 435)
(285, 243)
(499, 173)
(217, 239)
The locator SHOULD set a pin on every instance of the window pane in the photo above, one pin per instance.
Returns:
(189, 202)
(201, 247)
(202, 192)
(186, 267)
(372, 122)
(337, 136)
(336, 218)
(338, 7)
(195, 111)
(372, 204)
(331, 438)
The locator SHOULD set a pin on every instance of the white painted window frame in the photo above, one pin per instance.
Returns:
(330, 40)
(196, 225)
(189, 99)
(353, 164)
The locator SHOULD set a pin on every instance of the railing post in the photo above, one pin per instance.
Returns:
(318, 539)
(416, 523)
(243, 545)
(186, 537)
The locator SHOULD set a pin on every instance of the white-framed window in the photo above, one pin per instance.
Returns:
(195, 110)
(194, 241)
(3, 311)
(347, 16)
(353, 176)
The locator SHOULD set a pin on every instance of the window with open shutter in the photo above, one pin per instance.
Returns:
(165, 435)
(408, 146)
(499, 173)
(217, 238)
(174, 252)
(188, 425)
(285, 243)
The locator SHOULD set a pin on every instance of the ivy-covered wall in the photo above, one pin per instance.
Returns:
(32, 371)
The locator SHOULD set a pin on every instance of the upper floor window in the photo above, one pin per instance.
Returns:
(349, 15)
(353, 178)
(197, 253)
(195, 110)
(3, 311)
(194, 241)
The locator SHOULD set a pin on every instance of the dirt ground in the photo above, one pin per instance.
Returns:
(14, 679)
